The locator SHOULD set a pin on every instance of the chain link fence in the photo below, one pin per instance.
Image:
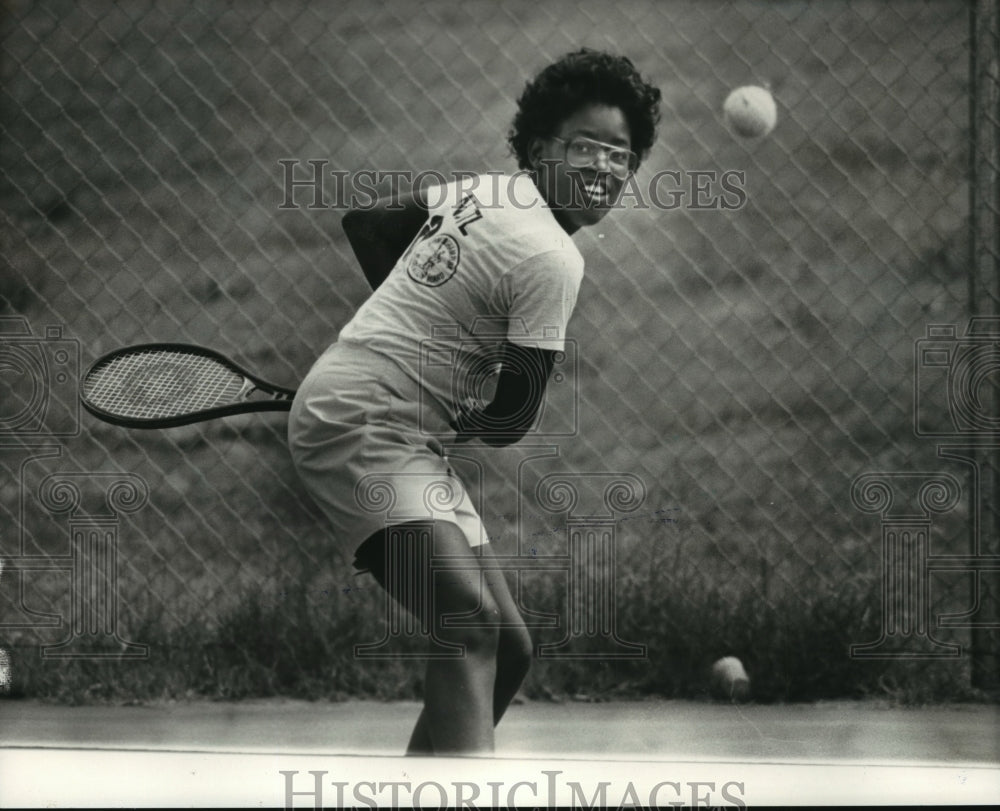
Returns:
(748, 364)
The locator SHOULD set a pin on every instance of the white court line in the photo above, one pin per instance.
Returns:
(625, 758)
(62, 777)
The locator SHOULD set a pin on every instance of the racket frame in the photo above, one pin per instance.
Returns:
(279, 398)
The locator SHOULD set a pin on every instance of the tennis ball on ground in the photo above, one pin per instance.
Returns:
(729, 680)
(750, 111)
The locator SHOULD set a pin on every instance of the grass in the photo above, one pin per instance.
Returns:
(300, 644)
(746, 366)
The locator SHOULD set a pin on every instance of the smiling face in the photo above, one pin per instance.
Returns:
(581, 196)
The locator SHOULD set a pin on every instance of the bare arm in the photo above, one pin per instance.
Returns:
(380, 234)
(519, 394)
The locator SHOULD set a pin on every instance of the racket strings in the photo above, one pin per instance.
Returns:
(161, 384)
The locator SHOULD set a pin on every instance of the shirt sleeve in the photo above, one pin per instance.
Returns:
(538, 297)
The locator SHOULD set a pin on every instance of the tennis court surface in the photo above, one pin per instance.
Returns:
(642, 753)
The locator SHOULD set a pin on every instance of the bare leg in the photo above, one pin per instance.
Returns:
(420, 738)
(514, 648)
(459, 692)
(513, 657)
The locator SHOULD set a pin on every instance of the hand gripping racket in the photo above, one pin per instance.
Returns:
(164, 385)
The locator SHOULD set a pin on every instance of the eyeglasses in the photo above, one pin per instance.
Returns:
(582, 153)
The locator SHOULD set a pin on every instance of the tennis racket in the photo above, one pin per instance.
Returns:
(164, 385)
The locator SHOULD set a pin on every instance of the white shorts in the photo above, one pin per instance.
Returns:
(366, 448)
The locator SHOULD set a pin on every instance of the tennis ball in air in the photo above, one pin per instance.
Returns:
(729, 680)
(750, 111)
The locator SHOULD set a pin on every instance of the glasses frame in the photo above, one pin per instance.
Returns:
(606, 149)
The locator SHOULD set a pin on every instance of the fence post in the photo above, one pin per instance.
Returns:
(984, 295)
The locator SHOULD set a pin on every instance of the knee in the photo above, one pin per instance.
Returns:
(478, 633)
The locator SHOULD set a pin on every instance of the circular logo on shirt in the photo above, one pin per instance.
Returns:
(434, 260)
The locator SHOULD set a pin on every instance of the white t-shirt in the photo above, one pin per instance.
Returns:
(490, 264)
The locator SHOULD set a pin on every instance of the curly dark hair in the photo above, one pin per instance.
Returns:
(580, 78)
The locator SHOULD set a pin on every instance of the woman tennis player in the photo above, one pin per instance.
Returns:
(449, 265)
